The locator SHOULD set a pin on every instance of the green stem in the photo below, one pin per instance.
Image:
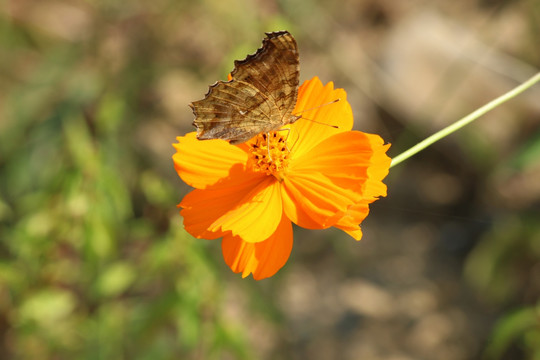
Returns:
(464, 121)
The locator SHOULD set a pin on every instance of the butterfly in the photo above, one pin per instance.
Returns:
(259, 98)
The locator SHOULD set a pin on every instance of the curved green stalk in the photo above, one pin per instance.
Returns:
(464, 121)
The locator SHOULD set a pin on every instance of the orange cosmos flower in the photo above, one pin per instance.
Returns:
(311, 174)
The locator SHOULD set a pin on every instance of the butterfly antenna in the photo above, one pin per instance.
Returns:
(318, 122)
(317, 107)
(320, 106)
(294, 143)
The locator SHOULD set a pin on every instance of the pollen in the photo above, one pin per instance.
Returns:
(269, 154)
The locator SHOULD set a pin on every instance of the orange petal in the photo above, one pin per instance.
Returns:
(311, 201)
(324, 183)
(313, 104)
(350, 222)
(249, 210)
(206, 163)
(262, 259)
(372, 189)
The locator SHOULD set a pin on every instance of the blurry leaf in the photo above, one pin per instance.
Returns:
(82, 86)
(106, 335)
(532, 340)
(113, 194)
(47, 307)
(80, 145)
(5, 210)
(40, 224)
(116, 279)
(99, 239)
(529, 154)
(77, 202)
(485, 266)
(189, 324)
(110, 113)
(156, 190)
(9, 277)
(162, 255)
(509, 329)
(234, 338)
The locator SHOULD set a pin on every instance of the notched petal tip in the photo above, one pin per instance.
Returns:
(261, 259)
(341, 171)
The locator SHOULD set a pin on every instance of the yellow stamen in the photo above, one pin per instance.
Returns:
(269, 154)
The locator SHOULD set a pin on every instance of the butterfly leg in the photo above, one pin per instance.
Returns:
(268, 146)
(276, 144)
(288, 130)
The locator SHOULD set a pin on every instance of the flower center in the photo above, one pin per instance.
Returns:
(269, 154)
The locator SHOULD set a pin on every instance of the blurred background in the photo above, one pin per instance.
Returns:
(94, 261)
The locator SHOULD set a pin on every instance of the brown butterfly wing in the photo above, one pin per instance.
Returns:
(259, 98)
(274, 69)
(234, 111)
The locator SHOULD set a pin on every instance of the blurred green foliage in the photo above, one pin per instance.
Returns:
(520, 327)
(94, 263)
(503, 267)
